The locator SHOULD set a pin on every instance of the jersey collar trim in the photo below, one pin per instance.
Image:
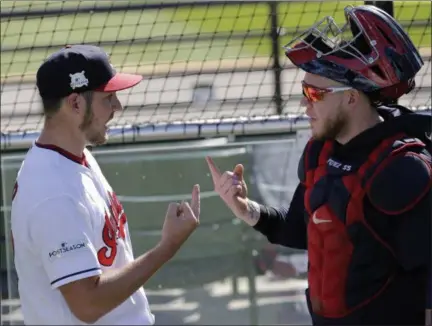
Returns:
(80, 160)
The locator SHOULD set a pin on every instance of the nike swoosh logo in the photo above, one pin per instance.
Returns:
(317, 220)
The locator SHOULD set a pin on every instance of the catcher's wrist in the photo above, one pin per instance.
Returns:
(253, 213)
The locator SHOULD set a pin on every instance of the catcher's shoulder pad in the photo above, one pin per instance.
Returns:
(309, 158)
(401, 181)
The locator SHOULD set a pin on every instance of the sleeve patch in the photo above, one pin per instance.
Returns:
(400, 183)
(65, 249)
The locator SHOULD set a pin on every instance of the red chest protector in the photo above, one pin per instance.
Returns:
(334, 201)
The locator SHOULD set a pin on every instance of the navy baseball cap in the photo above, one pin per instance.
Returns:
(80, 68)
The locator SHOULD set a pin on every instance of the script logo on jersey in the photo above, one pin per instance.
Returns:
(113, 230)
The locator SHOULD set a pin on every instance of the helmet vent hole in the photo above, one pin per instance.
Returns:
(388, 39)
(378, 71)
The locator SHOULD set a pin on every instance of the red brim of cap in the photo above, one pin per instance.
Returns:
(120, 82)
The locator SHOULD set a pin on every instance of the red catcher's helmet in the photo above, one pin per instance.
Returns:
(371, 53)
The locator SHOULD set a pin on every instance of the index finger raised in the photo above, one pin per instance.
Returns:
(214, 170)
(195, 202)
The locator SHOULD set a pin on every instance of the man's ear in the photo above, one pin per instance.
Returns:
(353, 97)
(73, 102)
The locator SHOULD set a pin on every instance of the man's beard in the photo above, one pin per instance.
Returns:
(93, 137)
(332, 128)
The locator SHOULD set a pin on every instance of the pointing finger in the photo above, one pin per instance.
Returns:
(195, 202)
(213, 170)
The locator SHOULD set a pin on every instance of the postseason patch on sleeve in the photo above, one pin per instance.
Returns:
(70, 260)
(68, 248)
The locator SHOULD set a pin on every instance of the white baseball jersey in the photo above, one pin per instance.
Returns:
(67, 224)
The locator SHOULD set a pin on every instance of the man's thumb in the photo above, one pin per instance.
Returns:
(238, 171)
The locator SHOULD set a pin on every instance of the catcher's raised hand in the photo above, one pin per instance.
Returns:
(231, 187)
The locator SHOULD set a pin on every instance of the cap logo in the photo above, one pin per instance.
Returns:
(78, 80)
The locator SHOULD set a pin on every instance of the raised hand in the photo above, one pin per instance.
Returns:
(232, 188)
(181, 220)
